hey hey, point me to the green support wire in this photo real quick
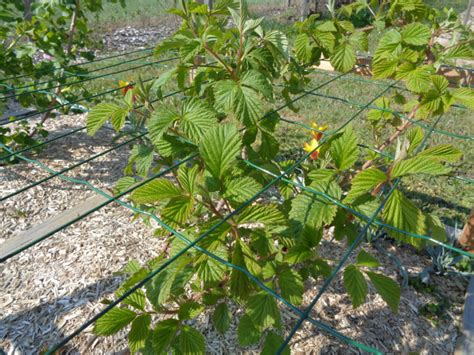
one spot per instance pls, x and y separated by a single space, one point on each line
83 80
36 113
76 65
348 252
70 75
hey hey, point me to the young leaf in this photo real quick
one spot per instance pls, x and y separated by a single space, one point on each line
221 318
159 288
344 149
355 285
190 310
418 165
190 342
416 34
113 321
161 120
247 331
387 288
163 335
464 96
263 311
418 78
303 48
272 345
401 213
219 149
344 57
139 332
178 210
291 285
365 259
101 113
154 191
365 181
442 152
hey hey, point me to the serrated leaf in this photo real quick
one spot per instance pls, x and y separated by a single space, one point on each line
155 190
272 345
387 288
190 310
178 210
239 100
187 177
303 48
344 57
190 341
139 332
415 137
159 288
291 285
163 335
464 96
239 282
196 119
355 285
436 228
416 34
101 113
442 152
365 259
239 189
401 213
258 82
267 214
365 181
221 318
388 43
417 77
123 184
113 321
263 311
418 165
219 149
247 332
160 121
344 150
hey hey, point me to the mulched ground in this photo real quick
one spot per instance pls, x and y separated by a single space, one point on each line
53 287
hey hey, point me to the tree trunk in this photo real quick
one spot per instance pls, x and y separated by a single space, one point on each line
467 235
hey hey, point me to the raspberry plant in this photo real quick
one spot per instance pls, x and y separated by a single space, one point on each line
228 70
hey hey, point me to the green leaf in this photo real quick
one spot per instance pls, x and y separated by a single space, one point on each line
219 149
291 285
163 335
344 149
442 152
159 288
416 34
365 259
364 182
388 44
401 213
161 120
267 214
190 341
355 284
263 311
239 100
417 77
239 282
303 48
464 96
257 81
178 210
190 310
418 165
436 228
387 288
187 177
113 321
196 119
139 332
101 113
239 189
415 137
272 345
247 332
221 318
344 57
155 191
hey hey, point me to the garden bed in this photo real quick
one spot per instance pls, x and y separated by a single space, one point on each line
53 287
